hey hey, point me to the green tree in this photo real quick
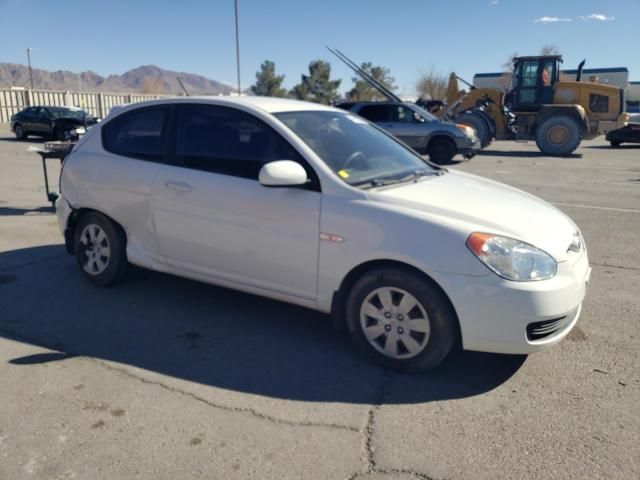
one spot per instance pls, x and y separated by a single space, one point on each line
268 84
317 86
363 92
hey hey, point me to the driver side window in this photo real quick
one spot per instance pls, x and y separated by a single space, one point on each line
227 141
402 114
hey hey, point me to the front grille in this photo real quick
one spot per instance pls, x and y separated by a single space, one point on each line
540 330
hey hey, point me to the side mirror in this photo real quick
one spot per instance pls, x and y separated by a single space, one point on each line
417 117
282 173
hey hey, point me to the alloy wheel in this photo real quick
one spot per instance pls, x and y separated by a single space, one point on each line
395 323
97 252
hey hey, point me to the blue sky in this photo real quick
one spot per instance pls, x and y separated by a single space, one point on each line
407 36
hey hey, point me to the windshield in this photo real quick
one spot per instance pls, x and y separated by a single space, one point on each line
354 149
60 112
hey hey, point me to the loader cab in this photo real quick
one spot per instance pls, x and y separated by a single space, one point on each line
532 82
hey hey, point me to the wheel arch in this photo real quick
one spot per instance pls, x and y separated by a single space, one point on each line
340 296
74 219
574 112
438 136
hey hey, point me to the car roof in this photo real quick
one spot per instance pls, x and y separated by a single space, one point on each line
266 104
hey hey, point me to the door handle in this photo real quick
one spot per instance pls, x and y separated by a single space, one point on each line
179 187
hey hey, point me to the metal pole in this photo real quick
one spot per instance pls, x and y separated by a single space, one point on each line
237 47
30 72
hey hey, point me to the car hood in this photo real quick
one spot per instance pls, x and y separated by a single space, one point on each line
488 206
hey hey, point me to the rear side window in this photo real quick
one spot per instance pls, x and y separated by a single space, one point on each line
375 113
137 134
227 141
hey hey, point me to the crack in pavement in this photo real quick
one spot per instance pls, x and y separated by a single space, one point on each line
622 267
393 471
227 408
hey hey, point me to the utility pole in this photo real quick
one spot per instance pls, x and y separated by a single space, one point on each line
237 47
29 50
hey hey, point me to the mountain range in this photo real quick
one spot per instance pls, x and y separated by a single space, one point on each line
144 79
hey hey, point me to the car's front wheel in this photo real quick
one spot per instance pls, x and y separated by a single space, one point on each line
441 151
100 249
401 319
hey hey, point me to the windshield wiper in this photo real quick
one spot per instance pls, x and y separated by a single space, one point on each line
412 177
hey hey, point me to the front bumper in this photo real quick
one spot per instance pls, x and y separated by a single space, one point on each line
468 148
502 316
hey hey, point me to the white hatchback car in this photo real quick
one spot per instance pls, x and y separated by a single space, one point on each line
315 206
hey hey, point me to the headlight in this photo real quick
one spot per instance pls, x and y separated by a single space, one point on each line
467 130
512 259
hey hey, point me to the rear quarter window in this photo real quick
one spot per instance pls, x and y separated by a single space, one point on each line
137 134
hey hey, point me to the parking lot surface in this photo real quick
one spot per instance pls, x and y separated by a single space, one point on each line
164 378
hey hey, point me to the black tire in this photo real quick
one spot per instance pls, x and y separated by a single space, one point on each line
441 150
441 318
115 263
558 136
19 131
615 143
479 124
58 134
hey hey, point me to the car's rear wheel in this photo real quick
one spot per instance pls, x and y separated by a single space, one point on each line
400 319
100 249
19 131
441 150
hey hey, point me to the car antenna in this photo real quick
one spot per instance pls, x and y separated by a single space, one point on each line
365 76
184 89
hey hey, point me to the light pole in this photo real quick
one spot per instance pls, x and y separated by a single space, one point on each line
29 50
237 47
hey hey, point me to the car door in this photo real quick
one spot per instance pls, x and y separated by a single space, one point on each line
406 126
27 119
41 122
214 219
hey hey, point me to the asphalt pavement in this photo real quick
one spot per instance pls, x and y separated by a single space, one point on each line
164 378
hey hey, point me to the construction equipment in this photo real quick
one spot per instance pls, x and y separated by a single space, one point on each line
539 105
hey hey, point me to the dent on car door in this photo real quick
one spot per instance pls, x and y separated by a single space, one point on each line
135 146
214 219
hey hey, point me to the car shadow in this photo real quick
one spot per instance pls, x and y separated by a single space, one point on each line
24 140
13 211
621 147
212 336
521 154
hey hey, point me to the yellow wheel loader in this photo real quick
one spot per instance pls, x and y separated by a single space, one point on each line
539 105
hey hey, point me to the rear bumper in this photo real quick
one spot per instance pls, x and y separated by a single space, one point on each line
63 212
